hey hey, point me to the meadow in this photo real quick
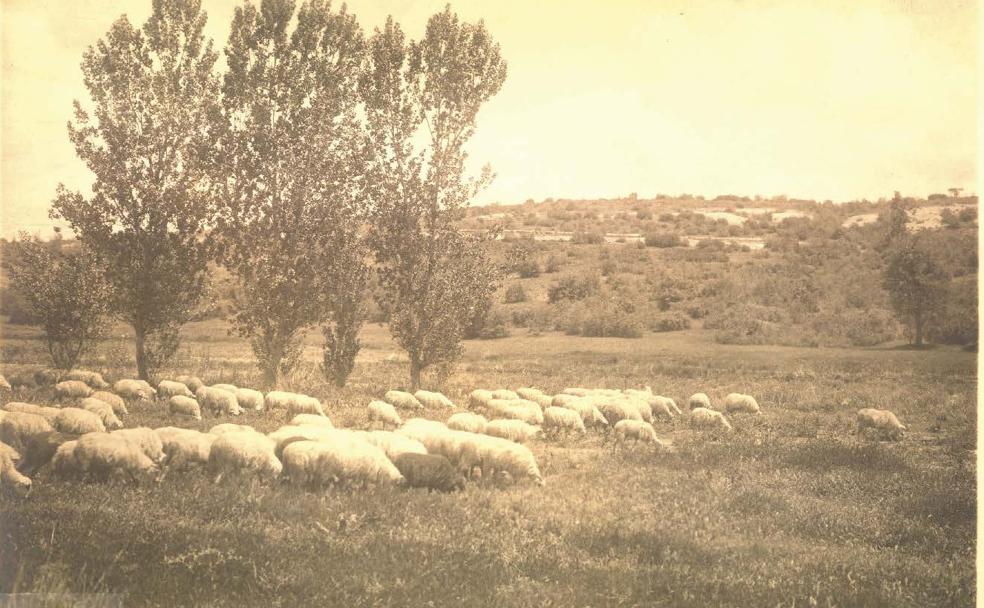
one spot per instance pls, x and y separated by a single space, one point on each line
792 509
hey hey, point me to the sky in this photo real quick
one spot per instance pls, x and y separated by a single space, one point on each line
822 99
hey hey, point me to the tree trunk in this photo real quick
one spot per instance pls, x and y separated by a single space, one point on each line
271 364
415 369
919 330
141 353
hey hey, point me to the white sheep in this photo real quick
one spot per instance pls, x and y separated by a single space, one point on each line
562 420
16 428
245 451
168 388
700 400
738 403
354 460
78 421
304 404
636 430
115 401
493 454
577 391
229 427
433 399
513 430
64 462
615 411
705 418
104 411
192 382
134 390
93 379
218 401
311 420
466 421
250 399
107 453
528 392
544 401
517 409
10 477
479 398
279 400
646 411
184 447
383 413
403 400
394 444
587 410
883 421
47 413
226 387
4 385
283 436
504 393
180 405
563 399
146 439
72 389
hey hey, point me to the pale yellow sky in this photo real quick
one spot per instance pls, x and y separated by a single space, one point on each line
819 99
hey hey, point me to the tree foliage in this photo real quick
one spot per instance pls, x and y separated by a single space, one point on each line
915 283
422 99
152 91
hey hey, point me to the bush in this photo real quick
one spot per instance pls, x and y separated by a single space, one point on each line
487 323
587 237
855 327
573 289
552 264
600 317
670 321
663 239
515 293
537 318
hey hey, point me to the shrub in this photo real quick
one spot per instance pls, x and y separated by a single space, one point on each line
515 293
552 264
600 317
670 321
587 237
663 239
572 288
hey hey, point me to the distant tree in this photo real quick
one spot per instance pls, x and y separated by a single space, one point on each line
915 284
422 99
288 170
515 293
153 92
955 192
66 295
892 226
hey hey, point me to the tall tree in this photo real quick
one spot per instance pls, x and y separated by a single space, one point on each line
422 99
152 92
916 284
289 170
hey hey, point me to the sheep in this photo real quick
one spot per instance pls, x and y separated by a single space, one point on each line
106 453
47 377
636 430
479 398
883 421
72 389
586 409
192 382
353 460
114 401
10 477
184 447
218 401
39 449
283 436
738 403
184 406
669 402
642 406
146 439
492 454
167 389
466 421
517 409
134 390
303 404
529 393
544 401
403 400
660 407
78 421
279 400
244 451
430 471
560 420
64 462
384 413
104 411
229 427
513 430
432 399
48 413
576 391
703 417
615 411
250 399
504 393
563 399
699 400
4 385
225 387
394 444
311 420
17 427
93 379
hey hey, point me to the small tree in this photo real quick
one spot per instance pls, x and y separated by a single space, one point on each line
153 92
65 293
421 100
915 284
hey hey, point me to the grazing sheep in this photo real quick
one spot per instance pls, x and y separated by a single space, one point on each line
586 409
72 389
17 427
225 387
146 439
192 382
513 430
312 420
10 477
301 463
184 447
504 393
615 411
179 405
562 420
479 398
529 393
577 391
303 404
23 380
39 449
563 399
245 451
403 400
283 436
646 411
738 403
544 401
229 427
47 377
394 444
704 418
104 411
250 399
493 454
466 421
883 421
114 401
93 379
384 413
218 401
636 430
279 400
134 390
352 460
78 421
105 453
700 400
517 409
48 413
64 462
432 399
429 471
4 385
167 389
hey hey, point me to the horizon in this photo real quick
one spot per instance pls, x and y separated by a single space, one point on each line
597 106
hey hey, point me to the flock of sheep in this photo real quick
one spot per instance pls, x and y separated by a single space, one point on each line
82 435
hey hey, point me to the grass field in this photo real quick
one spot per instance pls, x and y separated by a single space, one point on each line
791 509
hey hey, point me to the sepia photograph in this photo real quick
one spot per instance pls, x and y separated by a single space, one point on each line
553 303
